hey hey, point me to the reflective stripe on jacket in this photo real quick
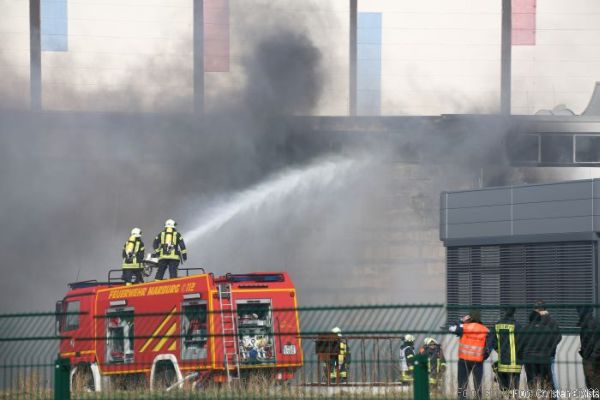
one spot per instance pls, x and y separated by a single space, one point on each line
471 346
342 353
506 347
340 362
407 355
133 253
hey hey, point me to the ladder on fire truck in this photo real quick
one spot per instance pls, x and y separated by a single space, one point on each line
229 331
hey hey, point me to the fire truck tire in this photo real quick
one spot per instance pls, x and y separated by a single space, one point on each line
82 379
164 375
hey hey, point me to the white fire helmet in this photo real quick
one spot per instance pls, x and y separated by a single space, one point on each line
429 340
137 232
170 223
337 331
409 338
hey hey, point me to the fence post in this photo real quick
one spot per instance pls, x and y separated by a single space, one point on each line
62 372
421 378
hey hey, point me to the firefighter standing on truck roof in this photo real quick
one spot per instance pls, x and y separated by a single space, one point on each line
471 352
170 248
133 254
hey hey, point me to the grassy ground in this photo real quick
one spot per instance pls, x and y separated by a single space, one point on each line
214 394
257 388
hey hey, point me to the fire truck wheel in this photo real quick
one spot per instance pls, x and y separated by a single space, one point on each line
164 375
82 379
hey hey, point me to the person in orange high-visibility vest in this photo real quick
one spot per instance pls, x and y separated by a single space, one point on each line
472 351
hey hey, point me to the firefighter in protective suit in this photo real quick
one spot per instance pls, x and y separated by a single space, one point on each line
133 254
340 362
407 359
170 249
504 339
437 362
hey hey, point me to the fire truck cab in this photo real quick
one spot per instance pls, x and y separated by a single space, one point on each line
163 334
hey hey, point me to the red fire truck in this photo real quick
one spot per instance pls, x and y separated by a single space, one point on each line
197 329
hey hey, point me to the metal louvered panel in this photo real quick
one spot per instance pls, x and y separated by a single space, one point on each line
557 273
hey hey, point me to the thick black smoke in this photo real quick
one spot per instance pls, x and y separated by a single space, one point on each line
74 183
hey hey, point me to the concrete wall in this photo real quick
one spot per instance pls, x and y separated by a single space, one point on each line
439 56
14 53
436 56
134 55
128 54
324 22
564 63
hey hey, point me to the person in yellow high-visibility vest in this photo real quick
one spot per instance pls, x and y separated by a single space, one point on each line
170 249
341 361
133 255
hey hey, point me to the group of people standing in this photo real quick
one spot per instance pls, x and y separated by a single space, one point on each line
432 349
532 346
168 246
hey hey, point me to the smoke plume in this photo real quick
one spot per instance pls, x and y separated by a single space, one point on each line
362 229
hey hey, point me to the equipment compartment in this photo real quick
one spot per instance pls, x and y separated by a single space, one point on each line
255 331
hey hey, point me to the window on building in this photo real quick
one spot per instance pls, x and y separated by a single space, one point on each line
54 25
587 149
216 35
368 68
523 22
557 149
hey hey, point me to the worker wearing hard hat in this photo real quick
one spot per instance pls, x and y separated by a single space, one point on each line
133 254
437 362
341 361
170 249
407 359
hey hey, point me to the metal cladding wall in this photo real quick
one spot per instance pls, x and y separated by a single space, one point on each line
520 244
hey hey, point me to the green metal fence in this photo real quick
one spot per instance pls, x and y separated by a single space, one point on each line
34 364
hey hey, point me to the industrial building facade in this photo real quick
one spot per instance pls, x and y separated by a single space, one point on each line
520 244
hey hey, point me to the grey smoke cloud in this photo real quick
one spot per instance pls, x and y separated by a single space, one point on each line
73 185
